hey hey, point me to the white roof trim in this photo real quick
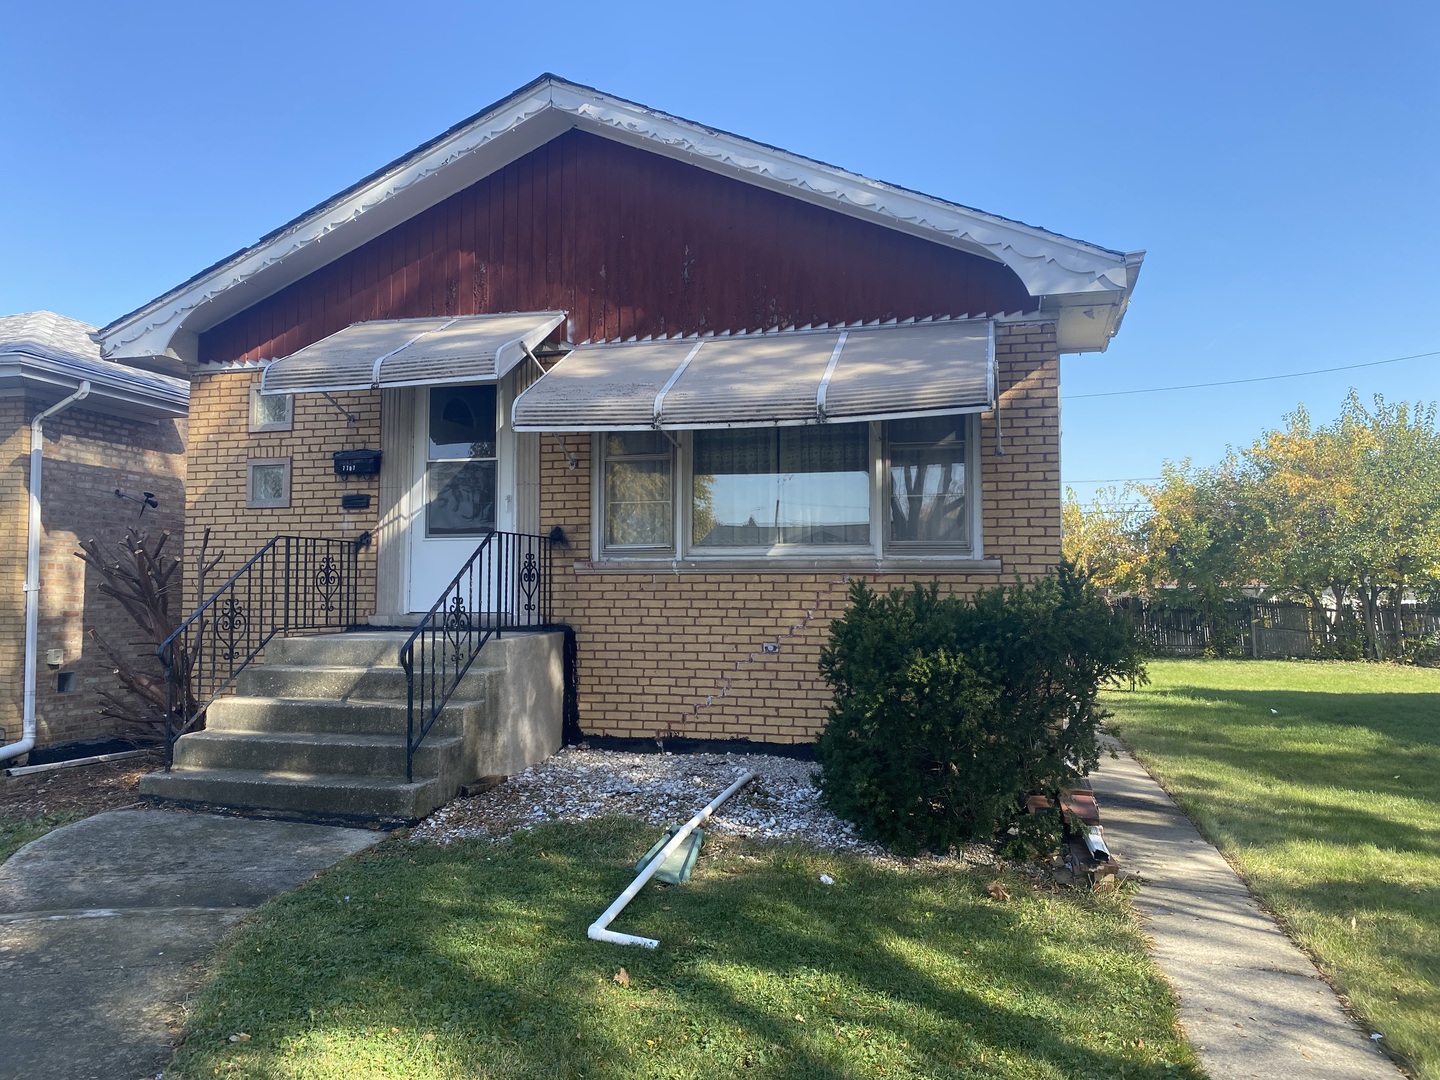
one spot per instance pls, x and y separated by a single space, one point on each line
112 393
1048 264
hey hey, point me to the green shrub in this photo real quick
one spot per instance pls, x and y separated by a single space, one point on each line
1032 836
948 711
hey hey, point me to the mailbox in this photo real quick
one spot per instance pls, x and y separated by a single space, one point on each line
357 462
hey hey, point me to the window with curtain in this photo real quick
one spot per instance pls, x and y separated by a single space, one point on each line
781 486
639 492
768 492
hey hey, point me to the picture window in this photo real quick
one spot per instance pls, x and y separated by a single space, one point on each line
768 487
892 488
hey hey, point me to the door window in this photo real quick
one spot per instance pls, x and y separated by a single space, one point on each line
460 461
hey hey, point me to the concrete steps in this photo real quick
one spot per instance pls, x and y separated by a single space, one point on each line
367 798
305 715
320 729
313 753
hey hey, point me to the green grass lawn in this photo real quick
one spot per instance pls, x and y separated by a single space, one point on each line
472 961
1321 782
16 832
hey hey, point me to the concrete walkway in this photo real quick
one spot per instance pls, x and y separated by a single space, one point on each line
1252 1003
104 926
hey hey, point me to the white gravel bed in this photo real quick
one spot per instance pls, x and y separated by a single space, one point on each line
782 802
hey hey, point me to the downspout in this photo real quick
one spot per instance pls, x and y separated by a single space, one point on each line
32 574
600 928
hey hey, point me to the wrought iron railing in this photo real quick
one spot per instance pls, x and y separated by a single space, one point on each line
292 583
505 585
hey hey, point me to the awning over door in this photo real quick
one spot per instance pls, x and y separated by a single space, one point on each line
411 352
761 380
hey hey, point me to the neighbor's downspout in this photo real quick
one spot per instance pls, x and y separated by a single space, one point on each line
32 575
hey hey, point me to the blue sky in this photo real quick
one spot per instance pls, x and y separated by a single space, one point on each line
1280 162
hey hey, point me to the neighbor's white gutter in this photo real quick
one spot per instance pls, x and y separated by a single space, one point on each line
32 574
598 931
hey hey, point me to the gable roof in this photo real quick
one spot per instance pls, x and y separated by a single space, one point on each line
50 351
1064 272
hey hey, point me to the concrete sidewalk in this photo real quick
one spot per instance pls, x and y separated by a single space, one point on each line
1252 1003
104 926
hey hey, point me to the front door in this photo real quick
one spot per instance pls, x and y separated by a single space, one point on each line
459 487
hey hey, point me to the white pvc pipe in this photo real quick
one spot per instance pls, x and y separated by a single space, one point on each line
598 929
26 741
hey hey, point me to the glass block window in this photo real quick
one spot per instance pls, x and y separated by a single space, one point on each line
268 483
271 412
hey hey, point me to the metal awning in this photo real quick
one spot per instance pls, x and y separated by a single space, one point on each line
411 352
762 380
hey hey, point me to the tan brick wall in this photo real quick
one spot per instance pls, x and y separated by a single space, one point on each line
221 447
14 495
656 649
88 455
681 654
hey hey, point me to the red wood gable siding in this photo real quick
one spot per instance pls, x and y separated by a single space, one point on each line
630 244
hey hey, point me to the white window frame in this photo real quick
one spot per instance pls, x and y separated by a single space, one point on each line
256 426
251 502
880 548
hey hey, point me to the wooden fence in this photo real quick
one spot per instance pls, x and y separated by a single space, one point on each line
1271 630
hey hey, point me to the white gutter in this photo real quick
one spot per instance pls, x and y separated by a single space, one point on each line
32 574
598 929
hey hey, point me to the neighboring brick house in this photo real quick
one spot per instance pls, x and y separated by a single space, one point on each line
875 391
127 435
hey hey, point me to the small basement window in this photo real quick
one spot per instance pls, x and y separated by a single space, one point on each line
65 682
271 412
268 483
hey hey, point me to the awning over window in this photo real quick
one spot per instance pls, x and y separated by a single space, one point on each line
411 352
760 380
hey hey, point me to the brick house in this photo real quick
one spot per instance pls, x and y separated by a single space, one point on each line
724 378
101 454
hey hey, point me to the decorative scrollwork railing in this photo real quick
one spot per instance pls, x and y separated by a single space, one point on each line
292 583
504 585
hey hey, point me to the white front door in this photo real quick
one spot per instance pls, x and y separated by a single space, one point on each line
464 484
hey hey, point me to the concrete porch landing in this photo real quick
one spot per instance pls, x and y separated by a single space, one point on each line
319 729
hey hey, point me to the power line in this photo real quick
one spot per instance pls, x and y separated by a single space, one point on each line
1237 382
1115 480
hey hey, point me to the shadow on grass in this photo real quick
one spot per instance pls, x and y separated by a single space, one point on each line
1404 717
762 969
1329 799
1336 762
